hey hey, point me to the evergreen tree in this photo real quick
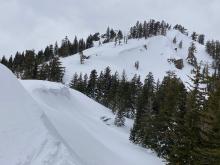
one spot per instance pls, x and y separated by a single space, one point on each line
113 92
75 46
119 36
192 132
144 110
112 34
74 82
122 101
29 64
194 36
191 55
201 39
56 71
209 151
92 84
43 72
164 126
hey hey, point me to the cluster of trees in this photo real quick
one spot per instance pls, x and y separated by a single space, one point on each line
148 29
200 38
113 35
180 125
111 90
181 28
28 66
191 58
213 49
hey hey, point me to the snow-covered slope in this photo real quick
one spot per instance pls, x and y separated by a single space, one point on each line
49 124
153 59
24 139
86 127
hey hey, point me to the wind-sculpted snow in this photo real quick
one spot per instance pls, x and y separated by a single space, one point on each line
47 123
86 127
24 139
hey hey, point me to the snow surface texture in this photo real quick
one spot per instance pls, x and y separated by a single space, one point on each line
153 59
50 124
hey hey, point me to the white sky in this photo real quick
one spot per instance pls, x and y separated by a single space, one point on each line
33 24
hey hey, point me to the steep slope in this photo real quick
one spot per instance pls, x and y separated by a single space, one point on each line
87 128
24 139
153 59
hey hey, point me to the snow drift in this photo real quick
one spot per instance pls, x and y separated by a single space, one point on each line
47 123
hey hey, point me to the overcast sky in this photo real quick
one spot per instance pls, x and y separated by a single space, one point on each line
33 24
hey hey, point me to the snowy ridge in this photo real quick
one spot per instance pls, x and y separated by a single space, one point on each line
24 138
47 123
153 59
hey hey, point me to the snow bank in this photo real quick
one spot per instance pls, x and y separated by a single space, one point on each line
47 123
78 121
24 139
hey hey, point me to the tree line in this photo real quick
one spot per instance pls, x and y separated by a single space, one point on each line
182 126
26 64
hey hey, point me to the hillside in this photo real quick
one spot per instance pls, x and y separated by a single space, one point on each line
153 59
50 124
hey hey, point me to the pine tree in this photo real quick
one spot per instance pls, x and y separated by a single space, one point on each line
89 42
119 119
144 110
92 84
194 36
196 103
112 34
191 55
43 72
119 36
29 64
113 92
163 130
201 39
74 82
122 101
56 71
107 85
56 49
75 46
209 151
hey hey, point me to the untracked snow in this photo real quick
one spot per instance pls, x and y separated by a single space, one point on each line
45 123
153 59
86 127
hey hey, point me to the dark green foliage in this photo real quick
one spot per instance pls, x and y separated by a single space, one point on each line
191 55
92 85
213 49
148 29
182 29
181 127
43 72
210 126
201 39
144 108
29 65
194 36
56 71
